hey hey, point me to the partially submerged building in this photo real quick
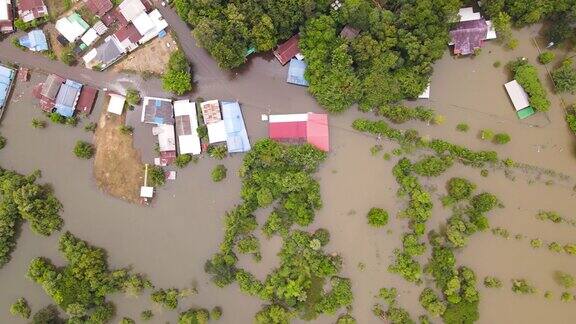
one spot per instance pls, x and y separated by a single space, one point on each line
47 91
64 96
67 98
213 120
296 71
7 76
298 128
236 135
86 100
29 10
35 41
157 111
287 50
470 32
116 103
519 99
187 127
6 16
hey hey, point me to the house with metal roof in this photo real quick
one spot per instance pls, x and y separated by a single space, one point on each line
211 111
104 55
519 99
71 27
67 97
287 50
130 9
35 41
187 127
29 10
86 100
470 33
89 37
311 128
236 135
7 76
152 26
99 7
157 111
6 16
166 139
296 71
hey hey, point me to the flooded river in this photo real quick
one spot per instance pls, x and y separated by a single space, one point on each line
171 240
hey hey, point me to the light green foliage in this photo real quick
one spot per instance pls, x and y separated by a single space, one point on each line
377 217
566 297
406 267
216 313
564 279
548 294
492 282
430 301
433 166
133 97
146 315
20 308
398 315
218 152
401 114
38 123
219 173
486 134
273 314
571 118
56 118
552 216
536 243
90 127
346 319
462 127
202 131
564 77
546 57
248 244
71 121
84 150
81 286
126 320
570 249
194 316
388 294
183 160
527 76
555 247
156 176
501 138
167 298
126 129
177 77
521 286
458 189
503 25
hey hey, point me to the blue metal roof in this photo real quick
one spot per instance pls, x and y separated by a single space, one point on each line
6 78
296 72
35 41
237 137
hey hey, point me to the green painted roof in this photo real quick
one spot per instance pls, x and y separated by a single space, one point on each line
526 112
76 18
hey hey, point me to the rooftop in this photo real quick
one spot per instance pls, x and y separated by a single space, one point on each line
287 50
157 111
211 111
99 7
29 10
296 73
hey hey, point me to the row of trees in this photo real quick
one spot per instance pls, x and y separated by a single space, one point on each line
22 199
279 175
527 76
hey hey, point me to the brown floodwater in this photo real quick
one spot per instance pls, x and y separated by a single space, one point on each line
171 240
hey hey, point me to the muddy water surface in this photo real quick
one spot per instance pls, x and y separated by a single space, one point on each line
171 240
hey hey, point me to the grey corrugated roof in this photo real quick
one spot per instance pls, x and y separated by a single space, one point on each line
67 95
108 52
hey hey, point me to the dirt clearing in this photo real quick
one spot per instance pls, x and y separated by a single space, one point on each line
151 57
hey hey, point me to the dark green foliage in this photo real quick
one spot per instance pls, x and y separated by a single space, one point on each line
492 282
20 308
218 152
126 320
47 315
546 57
521 286
194 316
430 301
346 319
67 55
458 189
133 97
202 131
38 123
183 160
84 150
570 118
462 127
167 298
501 138
432 166
219 173
2 142
564 279
484 202
146 315
377 217
552 216
527 76
178 75
156 176
90 127
388 294
23 199
81 286
216 313
273 314
57 118
564 77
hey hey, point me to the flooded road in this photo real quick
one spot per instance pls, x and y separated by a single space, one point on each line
171 240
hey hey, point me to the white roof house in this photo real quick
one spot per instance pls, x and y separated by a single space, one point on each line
491 30
166 137
288 118
426 93
4 5
468 14
143 23
90 37
158 25
116 103
70 29
186 127
146 192
130 9
517 94
217 132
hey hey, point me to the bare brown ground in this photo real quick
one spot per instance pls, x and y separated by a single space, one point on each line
118 168
151 57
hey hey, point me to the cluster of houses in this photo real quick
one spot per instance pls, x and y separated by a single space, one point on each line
135 21
64 96
28 10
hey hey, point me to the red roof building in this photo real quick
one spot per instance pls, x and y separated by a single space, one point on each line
29 10
99 7
287 50
6 16
86 100
311 128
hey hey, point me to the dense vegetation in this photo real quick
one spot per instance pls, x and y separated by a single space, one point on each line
390 60
84 150
278 175
23 199
527 76
564 77
80 287
178 75
377 217
20 308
